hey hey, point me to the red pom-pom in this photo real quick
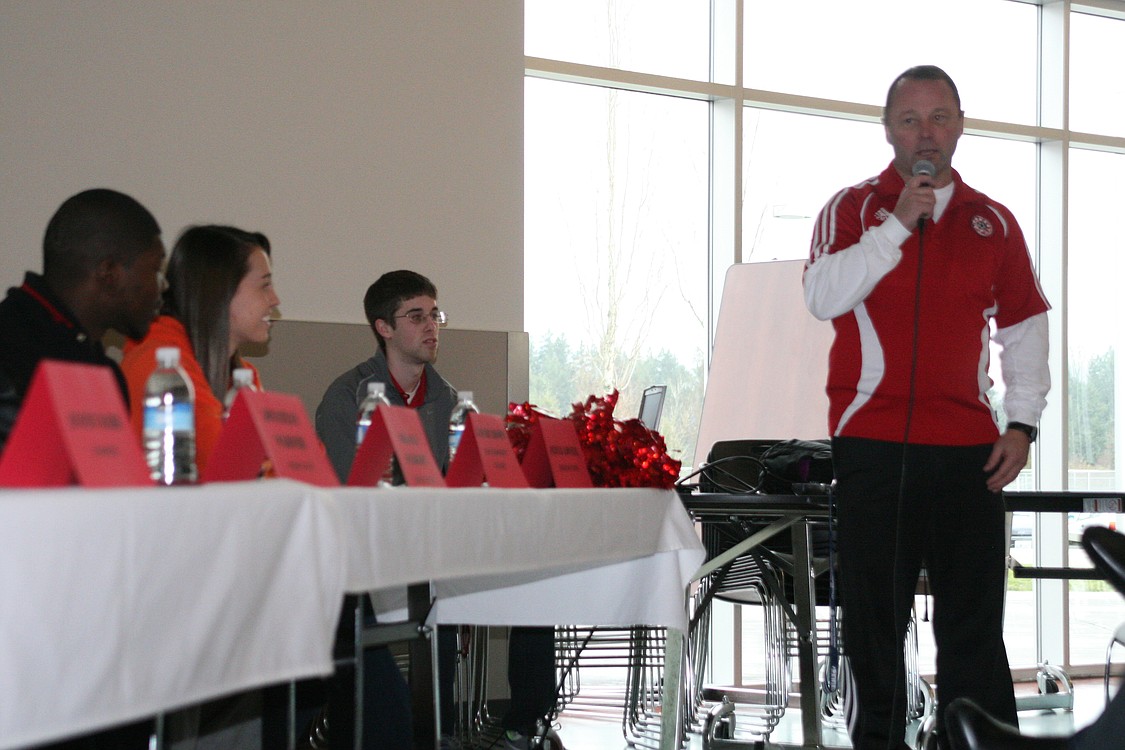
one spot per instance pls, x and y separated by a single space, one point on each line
619 453
518 423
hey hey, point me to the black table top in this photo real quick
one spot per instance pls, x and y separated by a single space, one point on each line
740 503
1058 501
1069 501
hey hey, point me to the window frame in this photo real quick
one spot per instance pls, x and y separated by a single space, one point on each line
729 98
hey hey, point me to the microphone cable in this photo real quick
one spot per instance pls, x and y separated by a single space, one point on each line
898 700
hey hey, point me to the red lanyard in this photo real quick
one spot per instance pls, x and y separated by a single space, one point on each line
53 311
419 397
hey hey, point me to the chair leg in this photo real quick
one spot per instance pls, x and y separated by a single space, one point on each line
1118 637
1108 662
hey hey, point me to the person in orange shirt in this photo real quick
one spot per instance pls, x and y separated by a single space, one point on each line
220 296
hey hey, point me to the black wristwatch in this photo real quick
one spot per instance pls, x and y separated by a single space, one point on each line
1031 431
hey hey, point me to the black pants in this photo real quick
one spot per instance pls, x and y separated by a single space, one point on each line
948 521
531 677
128 737
531 680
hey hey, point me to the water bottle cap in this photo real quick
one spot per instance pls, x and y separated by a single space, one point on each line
464 395
243 376
376 388
168 356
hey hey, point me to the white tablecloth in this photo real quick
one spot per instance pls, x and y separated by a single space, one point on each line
118 604
525 557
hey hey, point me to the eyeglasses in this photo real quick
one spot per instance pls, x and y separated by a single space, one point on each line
417 317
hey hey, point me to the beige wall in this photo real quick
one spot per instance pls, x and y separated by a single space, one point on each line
304 358
360 136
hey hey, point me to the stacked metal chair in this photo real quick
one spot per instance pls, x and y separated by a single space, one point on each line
759 578
613 652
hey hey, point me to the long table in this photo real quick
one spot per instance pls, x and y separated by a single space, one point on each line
525 557
516 557
121 604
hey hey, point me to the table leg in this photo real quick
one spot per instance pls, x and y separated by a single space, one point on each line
345 688
279 716
424 688
671 701
804 591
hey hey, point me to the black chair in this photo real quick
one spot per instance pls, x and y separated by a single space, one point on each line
970 728
1106 548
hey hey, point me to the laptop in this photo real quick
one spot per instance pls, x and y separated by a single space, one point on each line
652 404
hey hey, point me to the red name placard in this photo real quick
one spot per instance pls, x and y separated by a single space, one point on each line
73 428
395 431
485 455
269 425
554 457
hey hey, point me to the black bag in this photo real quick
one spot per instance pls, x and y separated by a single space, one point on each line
791 462
767 466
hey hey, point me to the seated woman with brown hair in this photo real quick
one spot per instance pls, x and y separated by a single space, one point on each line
220 296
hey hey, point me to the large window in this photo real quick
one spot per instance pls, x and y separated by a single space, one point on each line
789 176
616 266
1097 85
666 140
666 37
1095 335
851 51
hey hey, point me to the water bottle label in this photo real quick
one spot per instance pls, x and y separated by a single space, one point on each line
455 439
180 418
360 433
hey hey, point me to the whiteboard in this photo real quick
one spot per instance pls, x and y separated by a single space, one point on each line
770 361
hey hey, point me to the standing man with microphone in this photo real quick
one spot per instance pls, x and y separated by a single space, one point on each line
911 266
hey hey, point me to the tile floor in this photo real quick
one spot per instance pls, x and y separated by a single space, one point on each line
584 730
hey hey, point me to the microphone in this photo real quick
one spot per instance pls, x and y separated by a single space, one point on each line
926 167
923 166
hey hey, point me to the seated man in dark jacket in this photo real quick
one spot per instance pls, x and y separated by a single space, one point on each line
9 408
102 269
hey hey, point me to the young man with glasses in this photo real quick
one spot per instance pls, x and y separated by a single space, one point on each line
401 307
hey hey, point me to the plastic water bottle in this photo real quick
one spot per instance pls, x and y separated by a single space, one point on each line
169 421
242 377
457 420
376 394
